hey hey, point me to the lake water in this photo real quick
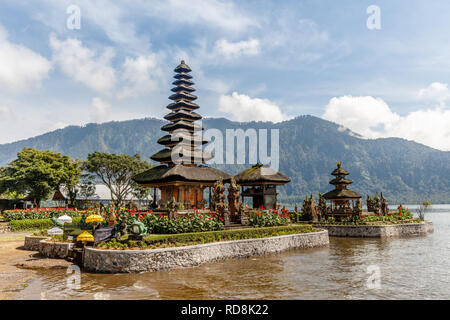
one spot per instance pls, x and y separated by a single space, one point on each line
408 268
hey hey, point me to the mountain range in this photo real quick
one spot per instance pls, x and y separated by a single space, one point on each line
405 171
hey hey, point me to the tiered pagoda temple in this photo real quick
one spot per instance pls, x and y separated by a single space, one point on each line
182 175
342 200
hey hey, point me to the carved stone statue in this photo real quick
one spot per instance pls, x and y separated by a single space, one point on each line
357 207
173 209
322 211
384 205
219 199
234 197
309 208
313 209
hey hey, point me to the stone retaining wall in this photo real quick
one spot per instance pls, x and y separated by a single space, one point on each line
32 243
115 261
395 230
52 249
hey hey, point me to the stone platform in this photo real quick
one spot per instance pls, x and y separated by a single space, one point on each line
129 261
378 231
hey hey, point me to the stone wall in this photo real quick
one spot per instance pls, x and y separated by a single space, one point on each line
33 242
394 230
52 249
115 261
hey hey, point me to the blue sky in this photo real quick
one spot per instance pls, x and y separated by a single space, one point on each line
252 60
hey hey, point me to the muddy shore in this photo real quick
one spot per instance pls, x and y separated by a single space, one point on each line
17 266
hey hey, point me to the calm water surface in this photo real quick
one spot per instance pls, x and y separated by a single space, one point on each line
411 268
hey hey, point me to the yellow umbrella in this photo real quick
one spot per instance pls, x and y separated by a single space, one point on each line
94 218
85 236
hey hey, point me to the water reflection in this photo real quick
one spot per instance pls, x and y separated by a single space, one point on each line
411 268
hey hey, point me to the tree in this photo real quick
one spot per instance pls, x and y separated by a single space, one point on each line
38 173
422 209
116 172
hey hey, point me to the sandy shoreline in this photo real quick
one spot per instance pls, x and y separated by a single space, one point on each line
17 266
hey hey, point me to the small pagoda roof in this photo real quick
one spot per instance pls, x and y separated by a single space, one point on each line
182 125
339 171
258 174
180 138
183 104
163 174
182 67
183 82
183 115
341 194
341 181
182 87
182 75
182 95
165 155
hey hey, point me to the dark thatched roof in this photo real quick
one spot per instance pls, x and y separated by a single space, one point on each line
182 95
166 154
181 125
182 87
183 81
182 114
182 67
183 104
162 173
259 173
341 194
181 138
341 181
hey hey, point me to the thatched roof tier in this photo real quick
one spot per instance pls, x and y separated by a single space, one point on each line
258 174
183 105
182 76
165 155
339 181
182 87
185 82
170 140
165 174
343 194
339 171
182 67
190 126
182 95
183 115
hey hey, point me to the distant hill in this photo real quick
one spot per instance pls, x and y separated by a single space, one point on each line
309 147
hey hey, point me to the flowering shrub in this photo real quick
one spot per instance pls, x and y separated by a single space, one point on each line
39 213
268 218
402 214
192 222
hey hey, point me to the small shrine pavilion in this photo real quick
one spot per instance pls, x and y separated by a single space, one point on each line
182 175
260 184
342 200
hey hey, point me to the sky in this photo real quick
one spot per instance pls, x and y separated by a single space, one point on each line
381 72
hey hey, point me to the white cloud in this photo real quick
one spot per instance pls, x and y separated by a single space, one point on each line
213 13
435 92
236 49
100 110
373 118
21 69
244 108
83 64
5 113
142 73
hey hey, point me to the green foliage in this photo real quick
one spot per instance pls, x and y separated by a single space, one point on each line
38 173
33 224
402 215
182 239
268 218
192 222
116 172
38 213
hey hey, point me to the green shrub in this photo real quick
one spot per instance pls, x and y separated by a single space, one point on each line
267 218
226 235
40 224
192 222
